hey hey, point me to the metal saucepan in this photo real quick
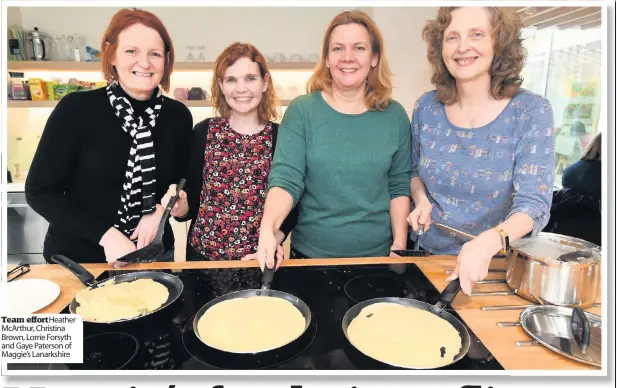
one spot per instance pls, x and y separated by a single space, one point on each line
570 332
173 283
552 269
233 358
446 297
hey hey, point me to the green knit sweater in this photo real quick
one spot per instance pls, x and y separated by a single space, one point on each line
342 171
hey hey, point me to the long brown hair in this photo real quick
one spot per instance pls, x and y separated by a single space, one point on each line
267 107
379 82
594 148
507 62
124 19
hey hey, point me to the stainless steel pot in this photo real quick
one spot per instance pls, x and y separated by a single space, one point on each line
555 269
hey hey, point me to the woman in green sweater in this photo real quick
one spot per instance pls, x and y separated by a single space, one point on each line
343 154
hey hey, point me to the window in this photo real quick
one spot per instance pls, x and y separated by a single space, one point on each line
565 66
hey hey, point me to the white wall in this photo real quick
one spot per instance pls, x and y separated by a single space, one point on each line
13 16
402 31
271 29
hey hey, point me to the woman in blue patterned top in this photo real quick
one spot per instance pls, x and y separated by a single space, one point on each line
483 147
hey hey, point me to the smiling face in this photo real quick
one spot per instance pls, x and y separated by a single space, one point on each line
243 86
139 60
350 56
468 43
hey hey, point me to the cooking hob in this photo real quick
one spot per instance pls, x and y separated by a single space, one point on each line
165 340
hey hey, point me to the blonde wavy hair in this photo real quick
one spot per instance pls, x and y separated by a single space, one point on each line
508 59
379 81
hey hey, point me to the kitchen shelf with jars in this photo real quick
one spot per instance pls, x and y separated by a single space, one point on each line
41 84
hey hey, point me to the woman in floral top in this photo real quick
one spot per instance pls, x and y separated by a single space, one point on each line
230 162
482 148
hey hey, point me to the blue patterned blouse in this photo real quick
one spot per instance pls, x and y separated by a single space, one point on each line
476 178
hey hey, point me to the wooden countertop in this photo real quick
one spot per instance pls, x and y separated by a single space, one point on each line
499 341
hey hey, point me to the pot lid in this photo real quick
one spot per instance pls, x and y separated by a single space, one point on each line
558 248
551 326
36 33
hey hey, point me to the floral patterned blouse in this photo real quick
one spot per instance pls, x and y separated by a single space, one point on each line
477 177
232 197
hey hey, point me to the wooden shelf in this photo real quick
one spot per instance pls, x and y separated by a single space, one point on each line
23 66
31 104
51 104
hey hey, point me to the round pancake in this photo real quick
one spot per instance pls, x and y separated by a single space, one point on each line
111 302
404 336
251 325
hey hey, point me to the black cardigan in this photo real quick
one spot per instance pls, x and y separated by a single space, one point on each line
75 180
195 181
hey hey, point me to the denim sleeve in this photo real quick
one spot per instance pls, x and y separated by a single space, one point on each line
415 140
534 164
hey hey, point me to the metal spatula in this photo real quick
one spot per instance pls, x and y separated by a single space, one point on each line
152 251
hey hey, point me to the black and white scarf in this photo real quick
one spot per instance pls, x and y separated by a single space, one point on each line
139 188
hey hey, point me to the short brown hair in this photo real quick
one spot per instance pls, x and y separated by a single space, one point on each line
267 107
379 83
507 63
594 148
124 19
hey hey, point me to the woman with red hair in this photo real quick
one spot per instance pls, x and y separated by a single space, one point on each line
107 156
230 161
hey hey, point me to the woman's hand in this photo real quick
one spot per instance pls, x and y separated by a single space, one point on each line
421 215
147 227
181 207
267 247
280 256
395 247
116 245
474 259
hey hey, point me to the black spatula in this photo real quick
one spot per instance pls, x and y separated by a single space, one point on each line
415 252
153 251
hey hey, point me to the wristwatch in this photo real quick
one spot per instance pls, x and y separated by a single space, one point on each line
505 240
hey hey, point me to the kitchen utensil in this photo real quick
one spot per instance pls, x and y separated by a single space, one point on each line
313 57
181 94
152 251
279 57
555 269
59 50
570 332
551 269
17 272
77 47
197 93
201 57
416 243
38 45
173 283
27 296
517 307
296 58
439 309
457 232
415 252
266 280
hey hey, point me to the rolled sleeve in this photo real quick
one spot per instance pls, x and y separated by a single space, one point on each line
289 163
399 174
533 174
